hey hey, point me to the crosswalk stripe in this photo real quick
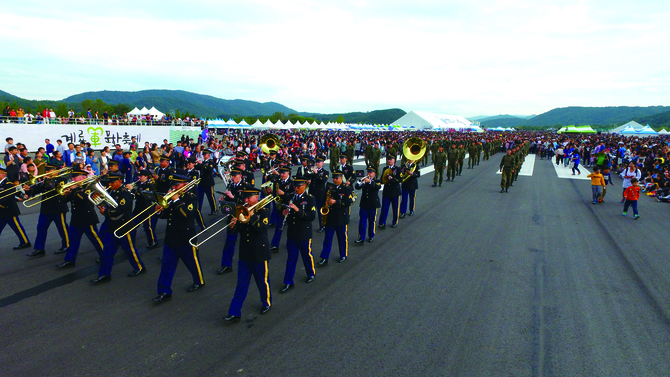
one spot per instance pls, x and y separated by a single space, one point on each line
566 172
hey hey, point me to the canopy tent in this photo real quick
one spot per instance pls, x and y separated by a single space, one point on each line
577 130
663 132
431 121
632 124
144 111
628 131
647 131
217 123
155 113
135 112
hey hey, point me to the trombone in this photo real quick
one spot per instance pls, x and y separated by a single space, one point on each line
245 213
163 201
59 189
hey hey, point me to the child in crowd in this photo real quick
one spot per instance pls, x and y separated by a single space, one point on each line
597 182
632 194
608 180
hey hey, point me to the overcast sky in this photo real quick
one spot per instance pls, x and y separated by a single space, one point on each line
471 57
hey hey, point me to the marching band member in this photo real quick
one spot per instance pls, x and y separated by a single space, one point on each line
180 215
162 175
299 216
193 173
368 207
409 188
317 186
234 193
117 217
206 185
303 170
337 220
346 170
285 191
254 257
247 176
144 194
83 220
51 210
9 213
391 193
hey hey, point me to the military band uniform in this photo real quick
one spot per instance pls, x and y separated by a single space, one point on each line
369 203
195 174
140 193
84 220
206 185
317 188
237 190
52 210
299 236
163 180
390 196
117 217
9 215
409 188
254 257
180 216
286 186
348 172
337 221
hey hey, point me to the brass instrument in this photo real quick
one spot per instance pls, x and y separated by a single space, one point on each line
11 191
163 201
245 213
193 242
385 176
269 142
99 195
50 193
413 149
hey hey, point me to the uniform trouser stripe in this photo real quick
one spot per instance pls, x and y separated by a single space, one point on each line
413 201
372 226
267 285
67 237
95 234
20 228
132 251
346 240
309 252
197 264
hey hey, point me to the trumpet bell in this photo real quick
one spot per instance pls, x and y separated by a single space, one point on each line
269 142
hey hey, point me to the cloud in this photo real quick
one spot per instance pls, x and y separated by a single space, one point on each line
463 57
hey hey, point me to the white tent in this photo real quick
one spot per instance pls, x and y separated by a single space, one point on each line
663 132
647 131
423 120
632 124
144 111
156 114
628 131
134 112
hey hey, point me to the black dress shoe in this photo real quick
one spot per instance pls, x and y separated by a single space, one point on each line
67 263
224 270
323 262
61 250
163 297
23 246
321 230
309 279
152 245
382 226
360 240
411 213
286 288
402 215
101 279
394 225
265 309
342 259
136 272
36 253
232 318
195 287
274 249
502 190
506 190
371 239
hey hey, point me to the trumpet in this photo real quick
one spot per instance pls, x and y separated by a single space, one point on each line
366 179
163 201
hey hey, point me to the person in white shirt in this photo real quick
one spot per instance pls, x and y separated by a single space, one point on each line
629 173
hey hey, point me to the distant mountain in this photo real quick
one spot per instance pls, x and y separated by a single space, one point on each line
502 121
581 116
168 101
486 118
658 121
373 117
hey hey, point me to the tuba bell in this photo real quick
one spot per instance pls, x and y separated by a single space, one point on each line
413 150
269 142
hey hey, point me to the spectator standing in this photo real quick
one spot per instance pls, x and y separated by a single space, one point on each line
631 195
40 161
628 174
60 147
49 147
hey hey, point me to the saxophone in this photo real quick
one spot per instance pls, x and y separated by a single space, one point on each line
325 209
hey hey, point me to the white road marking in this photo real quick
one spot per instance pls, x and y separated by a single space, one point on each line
527 167
563 172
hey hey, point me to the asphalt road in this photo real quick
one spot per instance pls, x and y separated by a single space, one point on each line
535 282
